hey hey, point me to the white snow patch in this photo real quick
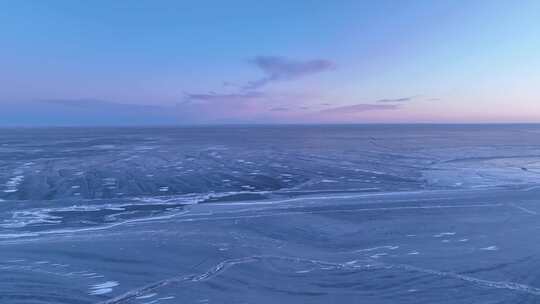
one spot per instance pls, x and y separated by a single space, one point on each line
103 288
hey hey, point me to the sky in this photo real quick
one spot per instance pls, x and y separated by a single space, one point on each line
262 62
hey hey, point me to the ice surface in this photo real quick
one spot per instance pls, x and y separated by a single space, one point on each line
361 214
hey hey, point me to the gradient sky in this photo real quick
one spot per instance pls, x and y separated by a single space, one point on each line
188 62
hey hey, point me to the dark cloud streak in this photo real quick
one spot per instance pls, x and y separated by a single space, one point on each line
283 69
97 104
361 107
210 97
402 99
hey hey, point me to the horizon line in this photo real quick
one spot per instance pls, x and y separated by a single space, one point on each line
261 125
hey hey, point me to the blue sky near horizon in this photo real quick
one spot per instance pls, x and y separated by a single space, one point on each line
152 62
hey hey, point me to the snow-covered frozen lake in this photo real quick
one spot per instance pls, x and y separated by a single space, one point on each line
291 214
